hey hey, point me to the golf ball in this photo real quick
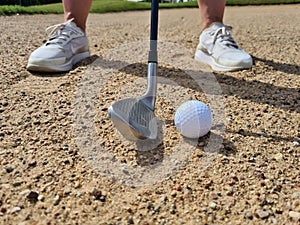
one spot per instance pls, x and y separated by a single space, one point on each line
193 119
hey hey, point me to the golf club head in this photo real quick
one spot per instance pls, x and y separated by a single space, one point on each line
133 119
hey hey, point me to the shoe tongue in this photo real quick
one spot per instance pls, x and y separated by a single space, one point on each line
70 23
216 26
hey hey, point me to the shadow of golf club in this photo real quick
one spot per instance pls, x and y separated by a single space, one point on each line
283 67
255 91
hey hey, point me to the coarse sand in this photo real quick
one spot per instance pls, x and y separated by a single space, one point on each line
62 161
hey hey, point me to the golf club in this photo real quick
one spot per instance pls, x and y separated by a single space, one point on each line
134 117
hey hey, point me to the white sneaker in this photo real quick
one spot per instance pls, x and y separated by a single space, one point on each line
218 49
66 46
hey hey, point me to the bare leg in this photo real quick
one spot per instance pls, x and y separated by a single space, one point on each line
77 9
211 11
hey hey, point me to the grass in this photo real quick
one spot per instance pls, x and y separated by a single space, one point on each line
102 6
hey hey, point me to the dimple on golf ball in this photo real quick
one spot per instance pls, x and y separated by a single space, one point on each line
193 119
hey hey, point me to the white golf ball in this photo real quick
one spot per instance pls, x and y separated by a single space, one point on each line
193 119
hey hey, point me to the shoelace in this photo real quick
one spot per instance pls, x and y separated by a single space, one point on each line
59 33
223 34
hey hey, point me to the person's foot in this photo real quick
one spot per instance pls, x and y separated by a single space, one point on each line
218 49
66 46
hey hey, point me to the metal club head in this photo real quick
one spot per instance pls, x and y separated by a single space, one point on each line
134 117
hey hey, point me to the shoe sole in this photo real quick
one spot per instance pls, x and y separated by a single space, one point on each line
209 60
59 68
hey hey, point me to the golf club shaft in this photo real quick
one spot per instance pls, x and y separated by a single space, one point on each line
150 96
153 32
